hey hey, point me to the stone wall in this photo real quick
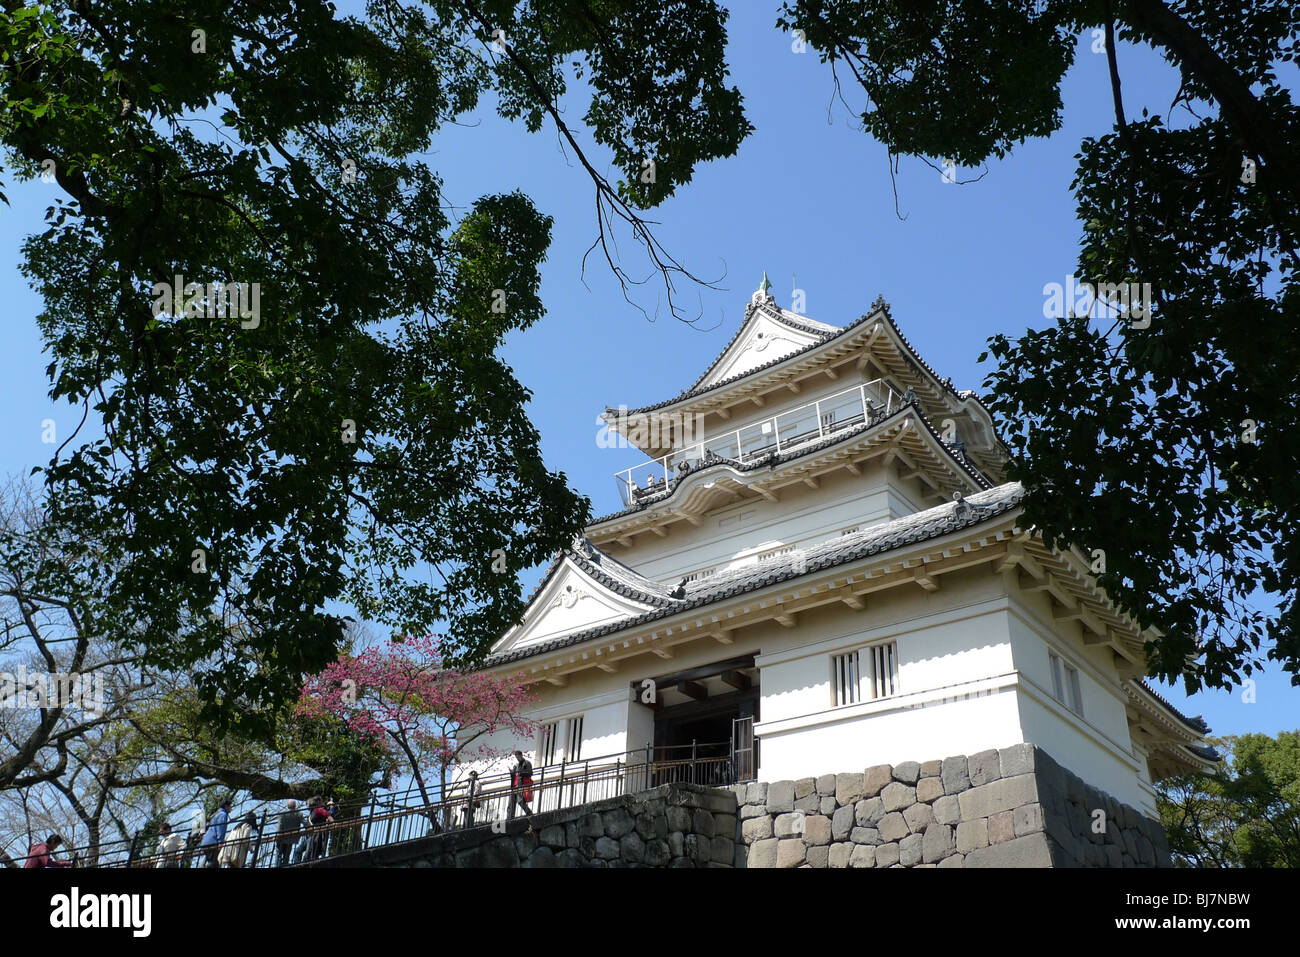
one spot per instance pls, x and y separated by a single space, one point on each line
1014 807
677 825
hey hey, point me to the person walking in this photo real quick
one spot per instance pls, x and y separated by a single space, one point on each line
521 786
198 827
331 836
318 820
474 791
234 850
41 854
303 846
215 834
291 821
170 846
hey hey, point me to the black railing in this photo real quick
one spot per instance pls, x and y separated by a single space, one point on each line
404 816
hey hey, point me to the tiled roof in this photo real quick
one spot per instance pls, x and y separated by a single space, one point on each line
613 574
1197 723
774 458
769 308
609 571
918 527
880 309
1204 752
697 389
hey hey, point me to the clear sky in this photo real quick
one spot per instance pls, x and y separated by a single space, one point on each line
808 199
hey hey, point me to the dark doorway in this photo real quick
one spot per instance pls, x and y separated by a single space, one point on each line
703 722
712 730
695 741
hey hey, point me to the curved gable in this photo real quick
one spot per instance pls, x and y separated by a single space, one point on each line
570 600
763 339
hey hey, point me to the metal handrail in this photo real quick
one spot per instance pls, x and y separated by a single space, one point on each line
383 820
863 403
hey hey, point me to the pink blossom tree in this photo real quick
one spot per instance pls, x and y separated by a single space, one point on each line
401 694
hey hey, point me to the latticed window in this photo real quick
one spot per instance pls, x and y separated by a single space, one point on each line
847 683
573 740
1065 684
865 674
546 744
884 670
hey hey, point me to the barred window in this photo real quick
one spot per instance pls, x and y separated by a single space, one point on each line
884 670
847 681
1065 684
546 744
573 740
865 674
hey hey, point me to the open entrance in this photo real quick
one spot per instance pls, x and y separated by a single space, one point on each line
704 724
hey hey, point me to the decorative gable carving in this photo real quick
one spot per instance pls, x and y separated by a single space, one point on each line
762 339
569 601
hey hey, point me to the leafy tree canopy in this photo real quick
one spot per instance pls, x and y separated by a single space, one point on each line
1248 815
1162 427
341 417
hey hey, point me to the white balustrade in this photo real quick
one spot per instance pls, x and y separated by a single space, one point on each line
801 425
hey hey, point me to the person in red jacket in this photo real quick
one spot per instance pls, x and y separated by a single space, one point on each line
521 786
319 819
42 855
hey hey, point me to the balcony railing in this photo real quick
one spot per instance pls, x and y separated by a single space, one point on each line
784 432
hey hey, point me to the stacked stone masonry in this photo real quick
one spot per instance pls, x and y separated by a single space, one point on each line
677 825
1014 807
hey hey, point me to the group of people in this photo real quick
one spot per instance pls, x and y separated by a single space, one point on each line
299 836
302 837
521 791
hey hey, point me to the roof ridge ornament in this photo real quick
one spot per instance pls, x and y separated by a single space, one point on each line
763 293
879 305
961 507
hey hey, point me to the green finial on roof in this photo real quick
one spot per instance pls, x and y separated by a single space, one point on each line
765 285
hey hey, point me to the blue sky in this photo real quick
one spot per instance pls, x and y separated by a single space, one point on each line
808 196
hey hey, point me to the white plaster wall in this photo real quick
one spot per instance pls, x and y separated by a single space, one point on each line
972 675
925 733
932 654
640 725
1103 700
604 728
955 692
802 517
1077 746
1096 746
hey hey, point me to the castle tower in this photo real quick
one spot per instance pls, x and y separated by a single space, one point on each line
819 567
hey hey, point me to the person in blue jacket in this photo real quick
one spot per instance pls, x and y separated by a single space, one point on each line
216 833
